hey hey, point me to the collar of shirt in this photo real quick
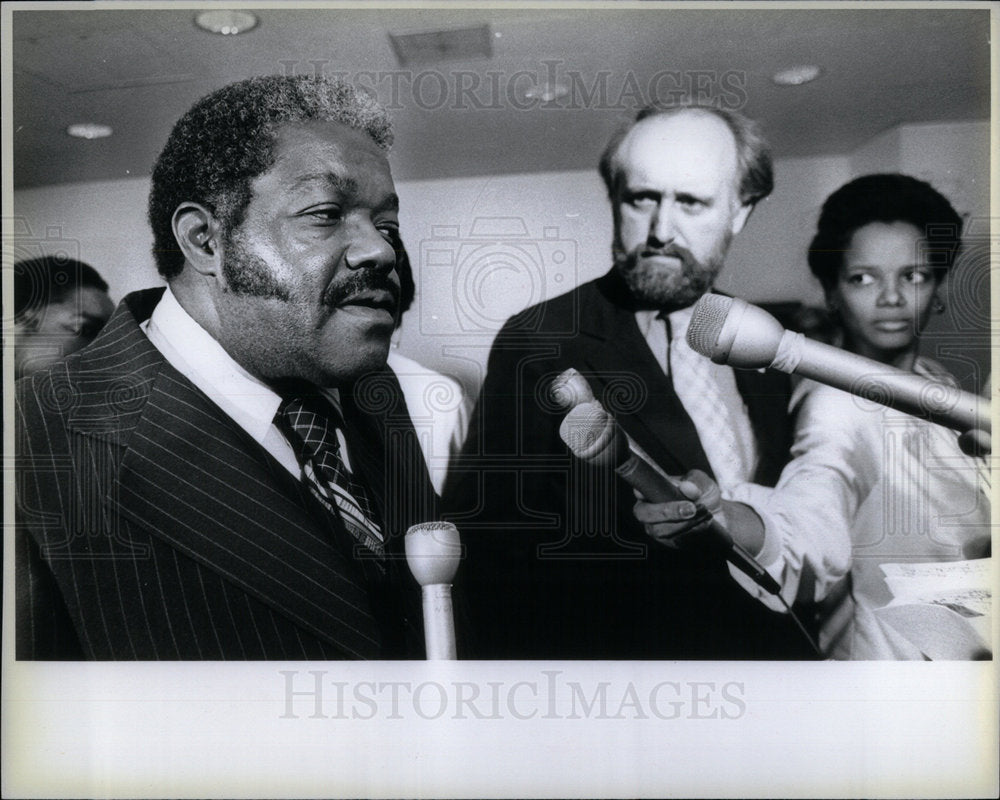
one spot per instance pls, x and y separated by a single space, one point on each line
248 401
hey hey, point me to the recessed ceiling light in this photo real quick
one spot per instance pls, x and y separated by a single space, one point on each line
226 23
796 76
89 130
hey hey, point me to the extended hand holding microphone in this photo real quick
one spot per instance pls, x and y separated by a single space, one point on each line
593 436
433 551
731 331
570 389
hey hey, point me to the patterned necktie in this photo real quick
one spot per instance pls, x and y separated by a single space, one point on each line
700 385
310 425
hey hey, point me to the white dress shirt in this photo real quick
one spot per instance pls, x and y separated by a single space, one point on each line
249 402
439 411
654 330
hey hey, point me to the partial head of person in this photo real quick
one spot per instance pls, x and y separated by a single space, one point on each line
883 245
60 305
275 222
682 181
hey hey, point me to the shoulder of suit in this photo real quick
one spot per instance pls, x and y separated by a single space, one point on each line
550 315
104 384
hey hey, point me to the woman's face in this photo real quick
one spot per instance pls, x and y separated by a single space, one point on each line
884 290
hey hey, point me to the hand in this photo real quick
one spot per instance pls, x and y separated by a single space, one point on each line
975 442
678 523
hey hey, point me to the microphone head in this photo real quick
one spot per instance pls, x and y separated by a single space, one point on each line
707 322
732 331
592 435
569 389
433 551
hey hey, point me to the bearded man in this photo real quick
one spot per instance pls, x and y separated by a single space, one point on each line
209 479
557 565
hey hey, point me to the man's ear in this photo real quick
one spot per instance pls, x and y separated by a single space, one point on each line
197 233
741 217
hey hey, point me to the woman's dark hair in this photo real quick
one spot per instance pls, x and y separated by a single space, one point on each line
889 197
45 281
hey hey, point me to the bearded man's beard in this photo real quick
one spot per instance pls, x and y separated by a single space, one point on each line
657 286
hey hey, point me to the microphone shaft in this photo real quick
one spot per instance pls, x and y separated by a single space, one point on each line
657 489
439 622
903 391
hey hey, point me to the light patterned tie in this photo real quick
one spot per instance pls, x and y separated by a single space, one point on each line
701 385
310 424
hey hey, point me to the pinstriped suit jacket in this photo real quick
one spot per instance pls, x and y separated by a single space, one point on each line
150 526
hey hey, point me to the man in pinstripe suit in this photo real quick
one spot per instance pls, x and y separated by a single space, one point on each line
166 506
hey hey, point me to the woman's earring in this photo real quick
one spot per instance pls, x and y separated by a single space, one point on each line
937 306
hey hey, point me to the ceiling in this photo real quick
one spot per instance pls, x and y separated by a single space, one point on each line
139 70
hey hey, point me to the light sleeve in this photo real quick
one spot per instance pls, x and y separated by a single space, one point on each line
808 516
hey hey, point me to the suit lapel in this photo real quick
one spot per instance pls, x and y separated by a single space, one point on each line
385 452
195 479
385 449
631 383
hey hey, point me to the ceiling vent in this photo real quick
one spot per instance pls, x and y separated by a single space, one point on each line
431 47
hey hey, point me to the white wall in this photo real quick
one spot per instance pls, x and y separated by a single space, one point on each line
767 261
104 223
484 248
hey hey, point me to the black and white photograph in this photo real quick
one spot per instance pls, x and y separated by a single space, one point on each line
584 399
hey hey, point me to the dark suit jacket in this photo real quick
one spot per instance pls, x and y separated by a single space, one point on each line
557 565
151 526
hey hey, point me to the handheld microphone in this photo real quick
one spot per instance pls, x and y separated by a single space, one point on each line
570 389
433 550
731 331
593 436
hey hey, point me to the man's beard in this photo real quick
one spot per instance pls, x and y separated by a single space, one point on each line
248 274
268 324
656 286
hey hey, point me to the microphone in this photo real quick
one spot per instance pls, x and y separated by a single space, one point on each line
569 388
731 331
433 550
593 436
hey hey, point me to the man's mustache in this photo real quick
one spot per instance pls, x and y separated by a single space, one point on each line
672 251
364 280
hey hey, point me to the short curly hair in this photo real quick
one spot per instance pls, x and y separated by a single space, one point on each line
753 153
227 139
886 197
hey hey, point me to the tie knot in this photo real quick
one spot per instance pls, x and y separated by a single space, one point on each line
311 422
